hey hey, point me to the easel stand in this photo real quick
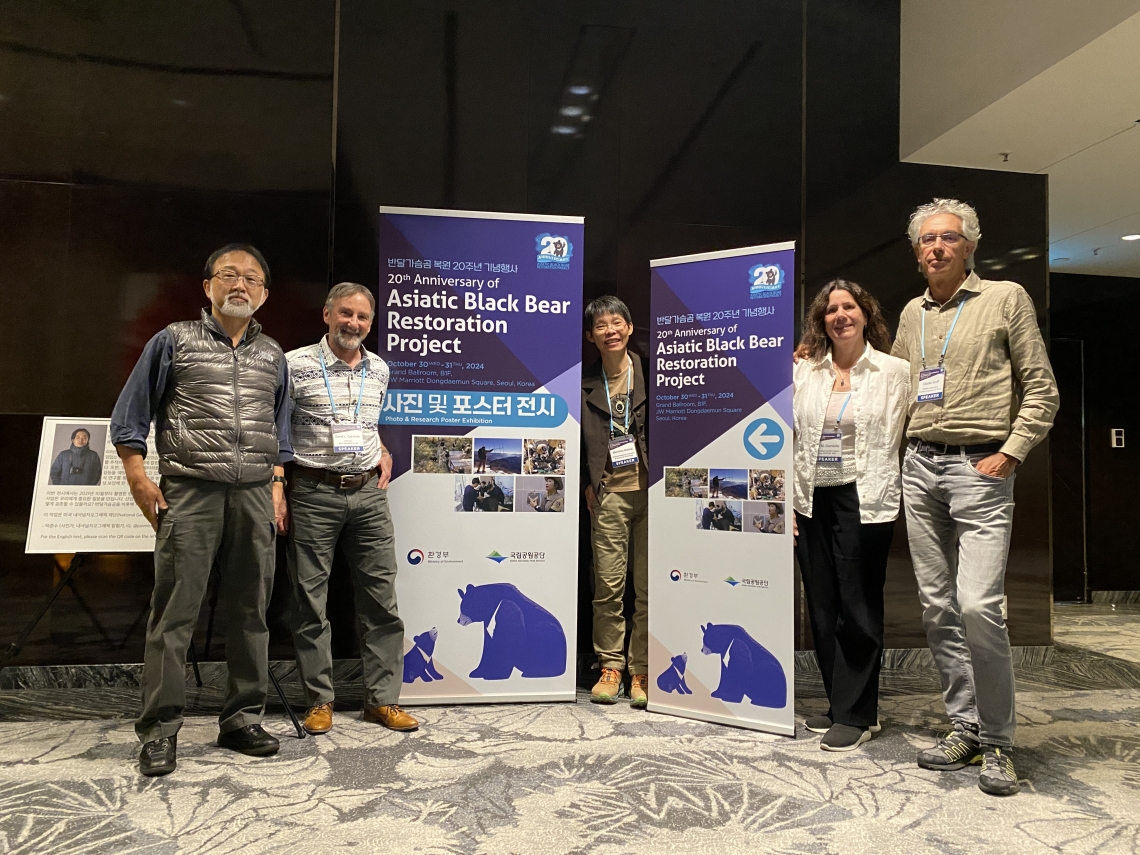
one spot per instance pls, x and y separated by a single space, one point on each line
13 650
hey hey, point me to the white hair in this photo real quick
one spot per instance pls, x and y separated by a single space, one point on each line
971 228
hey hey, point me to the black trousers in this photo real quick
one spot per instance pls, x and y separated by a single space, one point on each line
843 563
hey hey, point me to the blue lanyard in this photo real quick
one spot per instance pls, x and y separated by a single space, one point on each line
328 386
949 333
628 386
842 409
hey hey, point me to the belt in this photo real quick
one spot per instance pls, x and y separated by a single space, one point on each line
937 449
340 480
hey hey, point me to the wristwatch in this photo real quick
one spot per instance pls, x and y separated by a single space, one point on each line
279 479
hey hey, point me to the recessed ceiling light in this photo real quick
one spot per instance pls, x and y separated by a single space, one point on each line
1131 237
571 111
179 102
580 90
563 130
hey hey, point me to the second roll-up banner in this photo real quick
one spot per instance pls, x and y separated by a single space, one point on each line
480 321
721 631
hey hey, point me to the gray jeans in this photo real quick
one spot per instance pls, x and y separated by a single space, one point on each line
208 521
958 522
323 517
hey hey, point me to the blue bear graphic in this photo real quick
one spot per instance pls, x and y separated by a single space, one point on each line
517 632
746 667
672 679
418 661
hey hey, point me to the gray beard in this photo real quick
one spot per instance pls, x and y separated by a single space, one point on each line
235 309
347 342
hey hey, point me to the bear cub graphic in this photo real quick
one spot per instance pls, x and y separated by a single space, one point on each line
746 667
672 679
517 632
418 664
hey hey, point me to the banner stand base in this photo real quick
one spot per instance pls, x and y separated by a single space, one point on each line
774 729
466 700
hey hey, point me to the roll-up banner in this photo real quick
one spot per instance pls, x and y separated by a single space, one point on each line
721 637
480 322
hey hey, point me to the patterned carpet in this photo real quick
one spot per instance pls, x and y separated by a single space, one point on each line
579 778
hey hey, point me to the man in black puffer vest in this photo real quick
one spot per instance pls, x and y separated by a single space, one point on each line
217 389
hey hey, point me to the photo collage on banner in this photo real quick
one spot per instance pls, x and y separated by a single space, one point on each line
480 322
721 632
81 501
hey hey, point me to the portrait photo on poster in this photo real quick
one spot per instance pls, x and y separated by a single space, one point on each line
764 517
484 493
77 455
541 493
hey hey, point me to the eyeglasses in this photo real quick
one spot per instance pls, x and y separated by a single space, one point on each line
948 238
616 326
231 277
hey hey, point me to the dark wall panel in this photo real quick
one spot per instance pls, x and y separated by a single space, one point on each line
1082 309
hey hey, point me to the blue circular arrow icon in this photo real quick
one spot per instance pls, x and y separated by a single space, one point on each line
763 439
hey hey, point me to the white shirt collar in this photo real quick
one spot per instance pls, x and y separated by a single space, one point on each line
828 361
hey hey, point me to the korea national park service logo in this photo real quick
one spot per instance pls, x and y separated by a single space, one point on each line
554 251
765 280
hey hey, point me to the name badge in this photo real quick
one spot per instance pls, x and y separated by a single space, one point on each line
347 438
931 384
830 447
623 451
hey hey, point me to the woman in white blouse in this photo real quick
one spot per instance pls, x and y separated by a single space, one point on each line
850 404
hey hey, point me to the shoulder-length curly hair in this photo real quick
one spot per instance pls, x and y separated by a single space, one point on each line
815 339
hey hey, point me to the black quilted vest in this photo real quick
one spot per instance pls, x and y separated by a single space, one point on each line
216 419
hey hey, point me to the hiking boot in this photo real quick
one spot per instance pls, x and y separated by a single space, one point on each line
638 684
844 737
956 750
998 777
606 690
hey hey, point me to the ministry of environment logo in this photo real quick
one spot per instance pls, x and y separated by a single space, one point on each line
496 557
675 575
415 557
765 280
763 439
554 251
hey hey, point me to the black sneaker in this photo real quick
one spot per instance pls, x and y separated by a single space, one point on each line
998 777
956 750
158 756
251 739
822 724
844 737
818 723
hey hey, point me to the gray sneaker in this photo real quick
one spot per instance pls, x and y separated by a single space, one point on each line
956 750
998 777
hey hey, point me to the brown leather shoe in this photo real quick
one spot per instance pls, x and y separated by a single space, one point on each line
391 716
318 720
